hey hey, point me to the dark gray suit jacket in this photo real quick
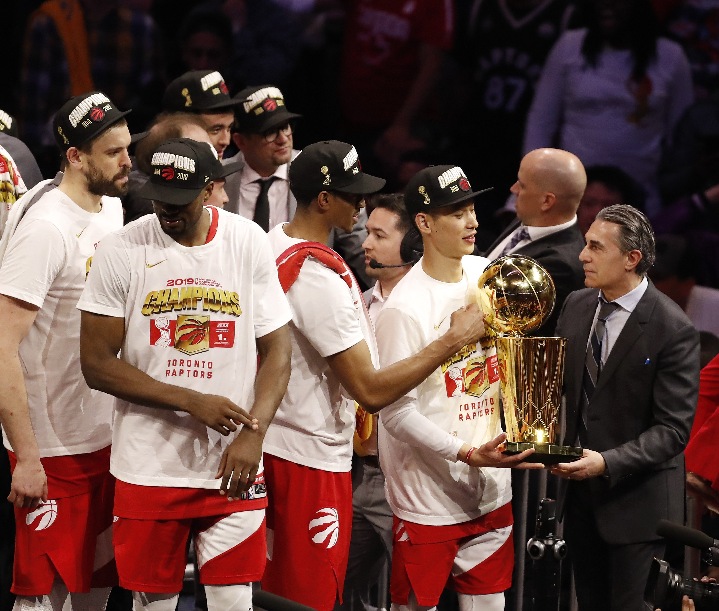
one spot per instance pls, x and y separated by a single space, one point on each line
558 253
640 415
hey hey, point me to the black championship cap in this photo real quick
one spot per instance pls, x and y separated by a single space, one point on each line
83 118
8 125
436 187
262 109
331 166
181 169
198 91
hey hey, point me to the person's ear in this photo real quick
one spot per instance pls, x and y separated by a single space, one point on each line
633 259
208 191
423 222
550 199
323 200
73 156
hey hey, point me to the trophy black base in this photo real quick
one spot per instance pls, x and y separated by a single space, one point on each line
546 453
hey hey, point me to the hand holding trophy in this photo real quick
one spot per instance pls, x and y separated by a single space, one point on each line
517 295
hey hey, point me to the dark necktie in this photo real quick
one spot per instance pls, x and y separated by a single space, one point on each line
593 359
262 205
523 234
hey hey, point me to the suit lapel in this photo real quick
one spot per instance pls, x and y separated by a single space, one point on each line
553 240
577 328
512 226
585 315
632 331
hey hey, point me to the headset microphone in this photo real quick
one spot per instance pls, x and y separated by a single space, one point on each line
377 265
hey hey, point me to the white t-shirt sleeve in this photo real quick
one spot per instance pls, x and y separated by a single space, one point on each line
35 256
270 307
398 338
324 310
108 282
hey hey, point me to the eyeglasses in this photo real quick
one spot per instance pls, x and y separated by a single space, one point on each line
272 135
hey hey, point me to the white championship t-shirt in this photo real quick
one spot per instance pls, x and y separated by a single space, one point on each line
191 318
420 435
46 262
315 422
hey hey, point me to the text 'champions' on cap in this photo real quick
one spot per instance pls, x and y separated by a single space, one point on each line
198 91
261 109
83 118
331 165
438 186
181 169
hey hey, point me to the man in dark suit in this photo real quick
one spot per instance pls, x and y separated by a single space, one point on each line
631 383
550 184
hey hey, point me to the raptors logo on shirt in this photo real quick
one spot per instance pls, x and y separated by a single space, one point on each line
472 377
325 527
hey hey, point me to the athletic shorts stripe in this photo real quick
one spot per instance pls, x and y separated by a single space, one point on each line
475 557
151 554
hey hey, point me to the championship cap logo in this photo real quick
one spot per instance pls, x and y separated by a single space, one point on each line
84 117
423 192
269 105
97 114
181 169
438 186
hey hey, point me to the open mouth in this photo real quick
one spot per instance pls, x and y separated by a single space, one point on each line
170 220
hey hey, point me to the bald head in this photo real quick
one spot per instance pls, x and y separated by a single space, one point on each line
552 182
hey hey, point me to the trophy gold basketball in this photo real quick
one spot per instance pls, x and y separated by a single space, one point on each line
517 295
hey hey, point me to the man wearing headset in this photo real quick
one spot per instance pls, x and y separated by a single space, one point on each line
391 248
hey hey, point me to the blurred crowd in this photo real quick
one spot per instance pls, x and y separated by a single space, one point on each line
411 83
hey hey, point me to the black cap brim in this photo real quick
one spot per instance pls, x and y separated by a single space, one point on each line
364 184
168 195
280 119
99 133
227 169
135 138
464 198
218 105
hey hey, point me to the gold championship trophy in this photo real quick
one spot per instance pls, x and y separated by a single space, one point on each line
517 295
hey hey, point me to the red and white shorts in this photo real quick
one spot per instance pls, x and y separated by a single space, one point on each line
151 553
475 557
70 534
309 524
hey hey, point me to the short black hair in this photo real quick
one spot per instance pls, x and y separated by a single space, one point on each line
394 202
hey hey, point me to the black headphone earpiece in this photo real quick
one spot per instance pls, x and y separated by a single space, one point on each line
411 249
